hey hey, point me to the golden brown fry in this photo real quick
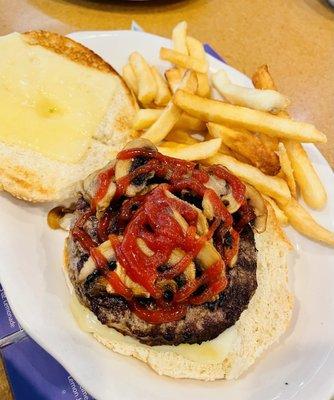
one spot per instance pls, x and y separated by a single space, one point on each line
179 36
304 223
249 146
183 60
280 215
262 79
171 114
307 178
163 94
173 77
196 50
130 78
197 151
310 185
147 87
164 124
170 145
204 88
287 169
270 142
269 185
190 123
180 136
222 113
240 157
145 117
227 151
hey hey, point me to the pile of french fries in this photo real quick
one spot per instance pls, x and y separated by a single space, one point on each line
247 130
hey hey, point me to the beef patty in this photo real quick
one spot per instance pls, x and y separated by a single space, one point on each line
202 322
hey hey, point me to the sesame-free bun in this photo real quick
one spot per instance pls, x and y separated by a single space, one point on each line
32 176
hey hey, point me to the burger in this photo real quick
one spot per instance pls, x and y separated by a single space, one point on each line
178 264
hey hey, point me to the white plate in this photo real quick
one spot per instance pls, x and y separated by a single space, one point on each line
31 273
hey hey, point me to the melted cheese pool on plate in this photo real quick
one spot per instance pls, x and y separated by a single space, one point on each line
210 352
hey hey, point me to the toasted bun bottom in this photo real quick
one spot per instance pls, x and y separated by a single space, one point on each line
260 325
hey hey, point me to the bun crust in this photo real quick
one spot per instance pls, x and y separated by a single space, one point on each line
259 326
29 175
68 48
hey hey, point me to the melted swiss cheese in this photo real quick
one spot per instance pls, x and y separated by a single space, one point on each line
211 352
49 103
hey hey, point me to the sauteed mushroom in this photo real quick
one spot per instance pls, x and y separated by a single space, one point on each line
256 201
90 187
124 167
221 187
60 218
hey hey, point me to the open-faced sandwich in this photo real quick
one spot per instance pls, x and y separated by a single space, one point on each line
178 264
64 113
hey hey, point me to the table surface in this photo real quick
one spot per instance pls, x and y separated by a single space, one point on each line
295 38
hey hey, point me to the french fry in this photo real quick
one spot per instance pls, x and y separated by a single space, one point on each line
179 36
190 123
163 94
287 169
229 152
310 185
197 151
171 114
164 124
239 157
273 149
196 50
304 223
167 144
262 79
280 215
311 188
265 100
180 136
147 87
269 185
145 117
203 89
249 146
270 142
226 150
130 78
260 121
173 77
183 60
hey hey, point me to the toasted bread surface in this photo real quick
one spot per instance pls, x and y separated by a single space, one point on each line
68 48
